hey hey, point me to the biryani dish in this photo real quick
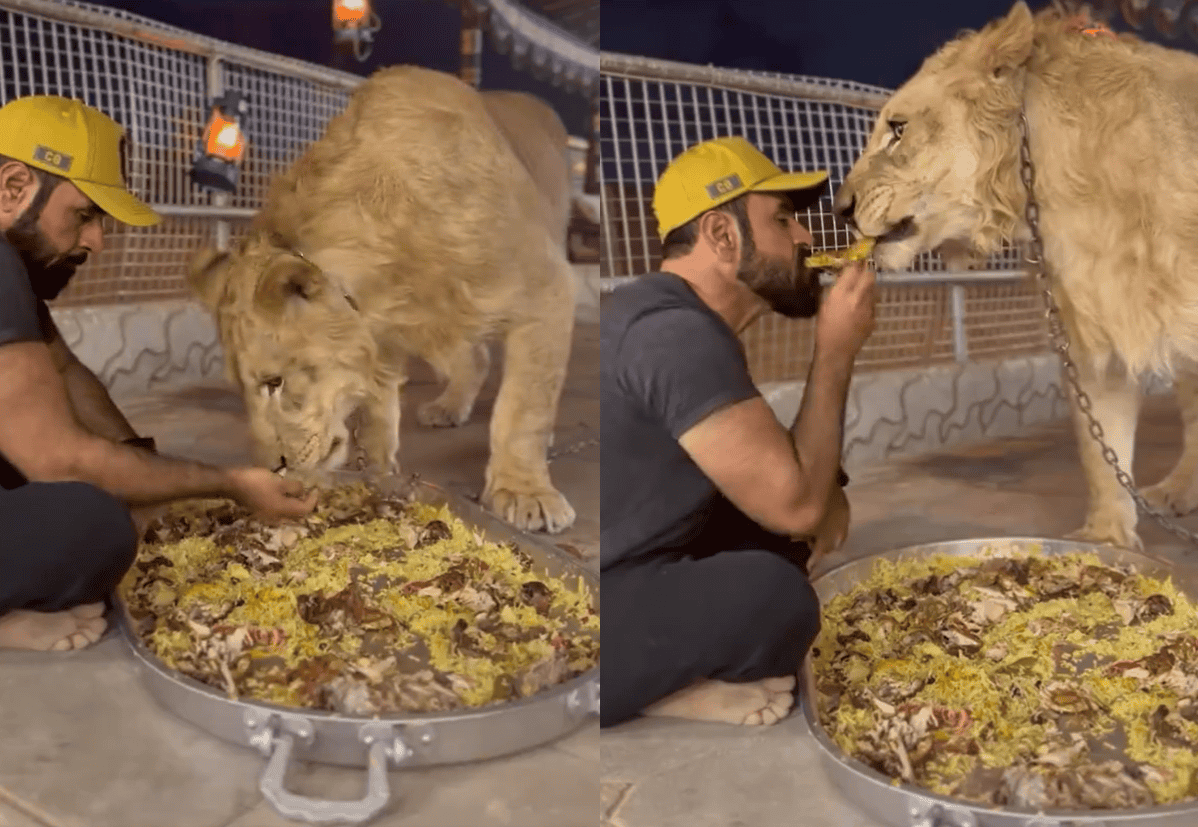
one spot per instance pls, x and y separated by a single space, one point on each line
373 604
1016 679
838 259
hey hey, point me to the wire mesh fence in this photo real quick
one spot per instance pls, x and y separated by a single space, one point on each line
652 110
158 81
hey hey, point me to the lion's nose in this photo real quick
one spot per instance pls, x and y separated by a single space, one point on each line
844 203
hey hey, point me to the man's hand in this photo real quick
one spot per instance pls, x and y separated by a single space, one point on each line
846 317
832 531
269 495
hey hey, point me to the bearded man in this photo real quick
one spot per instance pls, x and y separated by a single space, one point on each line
72 469
712 511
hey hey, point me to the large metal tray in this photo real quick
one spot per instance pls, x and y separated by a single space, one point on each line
284 733
906 805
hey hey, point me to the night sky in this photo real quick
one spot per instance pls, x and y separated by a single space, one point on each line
421 32
880 42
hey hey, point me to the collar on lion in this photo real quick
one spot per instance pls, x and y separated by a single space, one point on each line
336 282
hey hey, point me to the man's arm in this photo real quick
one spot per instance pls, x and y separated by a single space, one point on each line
41 437
88 398
787 481
783 481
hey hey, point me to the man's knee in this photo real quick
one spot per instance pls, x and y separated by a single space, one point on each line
789 608
104 524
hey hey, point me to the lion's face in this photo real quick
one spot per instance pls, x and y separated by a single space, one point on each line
298 403
297 348
915 186
939 170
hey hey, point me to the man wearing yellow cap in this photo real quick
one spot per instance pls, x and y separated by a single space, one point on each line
71 467
707 500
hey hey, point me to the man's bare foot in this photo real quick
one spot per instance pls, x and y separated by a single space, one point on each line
759 703
74 628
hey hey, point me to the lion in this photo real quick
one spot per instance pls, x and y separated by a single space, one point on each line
428 219
1113 133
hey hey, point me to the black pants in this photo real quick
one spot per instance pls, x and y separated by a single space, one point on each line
734 605
62 544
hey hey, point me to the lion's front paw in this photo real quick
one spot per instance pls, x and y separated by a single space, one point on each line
543 509
436 414
1108 530
1170 499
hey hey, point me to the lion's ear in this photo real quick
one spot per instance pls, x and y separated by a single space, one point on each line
1008 44
207 274
288 280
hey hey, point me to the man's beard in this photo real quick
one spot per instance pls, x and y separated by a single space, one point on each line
788 287
49 270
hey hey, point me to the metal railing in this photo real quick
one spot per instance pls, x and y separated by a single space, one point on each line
157 81
651 110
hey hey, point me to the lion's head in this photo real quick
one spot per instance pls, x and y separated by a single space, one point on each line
941 168
295 344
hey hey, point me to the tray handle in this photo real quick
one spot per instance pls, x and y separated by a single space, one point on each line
924 813
277 741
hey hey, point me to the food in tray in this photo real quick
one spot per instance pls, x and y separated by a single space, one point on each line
838 259
1016 678
373 604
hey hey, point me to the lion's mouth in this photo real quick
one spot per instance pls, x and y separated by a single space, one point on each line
901 230
334 444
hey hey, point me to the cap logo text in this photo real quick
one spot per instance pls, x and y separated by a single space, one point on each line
55 159
724 186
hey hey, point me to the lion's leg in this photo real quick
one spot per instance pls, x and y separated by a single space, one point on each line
518 487
1115 402
466 367
379 434
1177 494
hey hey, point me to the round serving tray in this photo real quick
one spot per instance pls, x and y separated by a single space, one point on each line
282 733
906 805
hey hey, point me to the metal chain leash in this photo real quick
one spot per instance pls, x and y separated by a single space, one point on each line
1060 341
577 447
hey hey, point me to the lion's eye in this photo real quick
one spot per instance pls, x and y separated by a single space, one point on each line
896 128
272 383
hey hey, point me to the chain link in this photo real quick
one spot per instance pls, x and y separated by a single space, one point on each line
577 447
1060 341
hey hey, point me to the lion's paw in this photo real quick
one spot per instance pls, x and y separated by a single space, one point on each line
1166 498
1108 531
541 510
437 414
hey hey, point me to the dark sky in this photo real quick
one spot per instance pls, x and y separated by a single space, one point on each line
881 42
422 32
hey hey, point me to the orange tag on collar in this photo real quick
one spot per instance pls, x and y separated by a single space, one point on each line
1094 31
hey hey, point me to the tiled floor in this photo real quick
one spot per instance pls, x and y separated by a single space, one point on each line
85 745
659 773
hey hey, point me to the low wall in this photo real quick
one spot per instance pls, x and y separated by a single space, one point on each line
138 348
898 413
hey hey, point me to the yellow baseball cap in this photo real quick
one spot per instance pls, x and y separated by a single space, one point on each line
716 171
78 142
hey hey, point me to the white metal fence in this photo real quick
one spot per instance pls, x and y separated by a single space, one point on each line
651 110
157 81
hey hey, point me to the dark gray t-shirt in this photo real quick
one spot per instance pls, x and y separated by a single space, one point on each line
23 318
21 312
668 360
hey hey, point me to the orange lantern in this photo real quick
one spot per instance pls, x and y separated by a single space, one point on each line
350 14
355 24
222 147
